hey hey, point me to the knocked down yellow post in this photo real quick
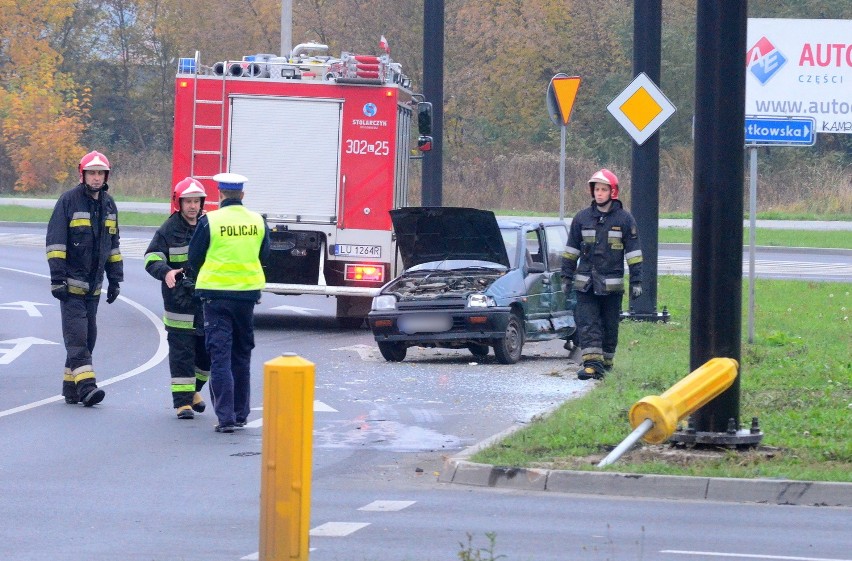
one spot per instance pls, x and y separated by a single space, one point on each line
654 418
285 479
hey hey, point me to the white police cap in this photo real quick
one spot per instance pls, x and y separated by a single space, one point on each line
230 181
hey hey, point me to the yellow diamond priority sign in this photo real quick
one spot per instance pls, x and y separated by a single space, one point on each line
641 108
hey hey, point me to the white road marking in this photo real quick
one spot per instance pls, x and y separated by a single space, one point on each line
365 352
749 555
337 529
297 309
386 506
319 407
30 307
159 355
19 347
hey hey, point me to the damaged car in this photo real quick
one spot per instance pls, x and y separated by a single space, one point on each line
471 281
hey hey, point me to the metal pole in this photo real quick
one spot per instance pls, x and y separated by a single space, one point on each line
562 174
752 236
433 90
717 208
286 27
627 443
645 173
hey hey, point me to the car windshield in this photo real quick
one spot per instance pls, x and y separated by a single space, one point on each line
510 240
456 264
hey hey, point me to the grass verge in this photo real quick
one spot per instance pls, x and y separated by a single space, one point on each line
796 378
765 236
14 213
838 239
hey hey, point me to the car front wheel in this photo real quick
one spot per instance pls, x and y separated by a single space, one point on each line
393 352
508 349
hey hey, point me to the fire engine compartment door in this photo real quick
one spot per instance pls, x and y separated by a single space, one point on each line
289 149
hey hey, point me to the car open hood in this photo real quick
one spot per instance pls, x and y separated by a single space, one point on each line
426 234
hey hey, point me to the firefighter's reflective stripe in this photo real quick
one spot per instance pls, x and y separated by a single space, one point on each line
183 385
571 253
78 287
154 256
614 285
114 256
633 257
202 375
179 254
589 236
67 376
179 321
80 219
581 281
56 251
82 373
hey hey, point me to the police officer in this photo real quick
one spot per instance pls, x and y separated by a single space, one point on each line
167 261
227 250
82 244
602 236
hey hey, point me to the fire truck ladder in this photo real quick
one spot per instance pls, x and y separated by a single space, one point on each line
216 127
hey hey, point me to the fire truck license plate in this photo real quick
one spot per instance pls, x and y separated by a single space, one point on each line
358 250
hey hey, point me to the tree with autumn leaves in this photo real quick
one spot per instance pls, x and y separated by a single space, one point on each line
77 75
42 111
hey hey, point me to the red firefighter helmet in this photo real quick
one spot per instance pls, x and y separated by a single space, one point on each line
94 160
607 178
187 187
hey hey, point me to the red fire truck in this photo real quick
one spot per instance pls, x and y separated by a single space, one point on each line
324 143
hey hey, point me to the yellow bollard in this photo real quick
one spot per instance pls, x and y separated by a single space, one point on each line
684 398
285 479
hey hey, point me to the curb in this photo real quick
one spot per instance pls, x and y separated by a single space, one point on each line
458 470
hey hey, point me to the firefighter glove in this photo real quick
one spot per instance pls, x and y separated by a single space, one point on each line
635 291
183 293
59 291
112 292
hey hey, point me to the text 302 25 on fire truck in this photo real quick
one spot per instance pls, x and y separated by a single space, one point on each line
324 142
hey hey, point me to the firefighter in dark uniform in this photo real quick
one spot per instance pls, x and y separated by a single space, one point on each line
82 244
601 238
227 251
167 261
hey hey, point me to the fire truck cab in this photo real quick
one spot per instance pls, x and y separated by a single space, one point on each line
324 143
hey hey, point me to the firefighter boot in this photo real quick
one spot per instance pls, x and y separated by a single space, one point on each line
69 390
591 370
198 404
185 412
91 395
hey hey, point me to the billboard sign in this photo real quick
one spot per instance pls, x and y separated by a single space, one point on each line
801 68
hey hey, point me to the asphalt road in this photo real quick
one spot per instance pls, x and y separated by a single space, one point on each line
127 480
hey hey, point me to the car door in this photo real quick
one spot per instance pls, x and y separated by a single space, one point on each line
539 289
562 304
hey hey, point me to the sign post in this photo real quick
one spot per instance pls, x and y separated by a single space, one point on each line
642 108
561 93
768 131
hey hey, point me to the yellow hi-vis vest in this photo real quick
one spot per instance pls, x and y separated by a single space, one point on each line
232 261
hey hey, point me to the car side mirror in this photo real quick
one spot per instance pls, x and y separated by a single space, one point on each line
424 143
536 267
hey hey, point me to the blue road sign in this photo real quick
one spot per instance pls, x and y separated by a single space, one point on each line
780 131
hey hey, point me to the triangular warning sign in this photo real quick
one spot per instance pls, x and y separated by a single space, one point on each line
565 89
